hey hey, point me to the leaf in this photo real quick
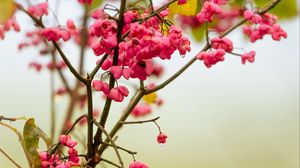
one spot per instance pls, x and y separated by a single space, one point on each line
284 9
31 136
198 32
7 9
150 98
187 9
95 4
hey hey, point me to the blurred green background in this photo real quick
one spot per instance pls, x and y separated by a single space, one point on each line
229 116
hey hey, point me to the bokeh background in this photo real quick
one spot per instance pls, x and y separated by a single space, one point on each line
229 116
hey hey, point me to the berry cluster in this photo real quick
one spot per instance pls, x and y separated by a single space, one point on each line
54 161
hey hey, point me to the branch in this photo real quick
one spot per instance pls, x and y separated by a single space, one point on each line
206 47
90 119
62 54
111 141
10 158
140 122
118 125
110 162
98 66
68 131
121 148
11 119
106 109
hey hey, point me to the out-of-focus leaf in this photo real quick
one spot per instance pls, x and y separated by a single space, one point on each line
150 98
7 9
187 9
95 4
31 136
284 9
198 33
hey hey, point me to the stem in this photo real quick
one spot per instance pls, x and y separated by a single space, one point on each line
110 162
68 132
60 73
68 63
98 66
84 39
75 123
106 109
179 72
121 148
10 158
11 119
111 141
52 107
90 120
118 125
140 122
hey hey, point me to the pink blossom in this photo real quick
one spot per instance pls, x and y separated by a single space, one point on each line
211 58
2 32
118 94
51 34
277 32
253 17
208 10
70 24
248 57
162 138
137 164
100 86
12 23
222 43
85 1
130 16
35 65
180 2
141 110
39 9
220 2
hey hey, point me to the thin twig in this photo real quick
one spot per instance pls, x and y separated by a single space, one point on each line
10 158
121 148
90 118
62 54
110 162
98 66
140 122
118 125
111 141
11 118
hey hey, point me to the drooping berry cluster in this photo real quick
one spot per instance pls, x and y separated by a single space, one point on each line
261 25
54 161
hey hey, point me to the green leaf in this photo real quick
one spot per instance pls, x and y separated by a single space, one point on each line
31 136
198 32
284 9
7 9
95 4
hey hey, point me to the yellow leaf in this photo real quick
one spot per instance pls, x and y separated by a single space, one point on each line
7 9
150 98
187 9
